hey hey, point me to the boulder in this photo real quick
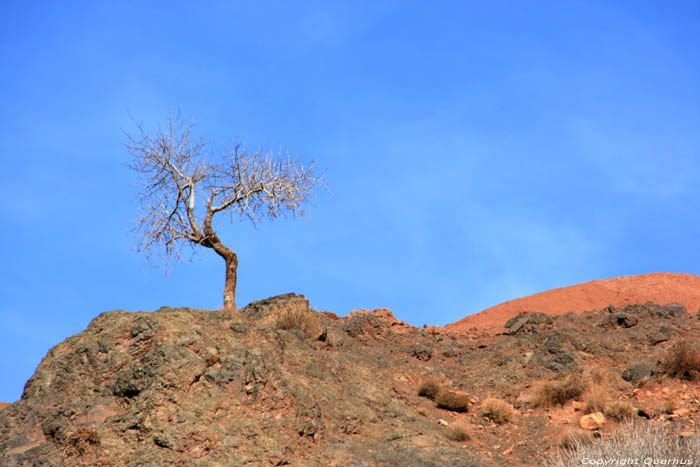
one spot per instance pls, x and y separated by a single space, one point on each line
525 322
592 421
637 372
262 308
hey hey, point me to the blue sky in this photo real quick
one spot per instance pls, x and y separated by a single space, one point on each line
476 152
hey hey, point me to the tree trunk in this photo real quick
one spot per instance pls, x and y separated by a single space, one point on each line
230 285
211 240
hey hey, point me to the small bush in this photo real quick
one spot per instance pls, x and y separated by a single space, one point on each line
454 401
634 440
596 399
574 438
620 410
559 393
497 410
669 405
430 388
303 320
598 375
457 431
683 362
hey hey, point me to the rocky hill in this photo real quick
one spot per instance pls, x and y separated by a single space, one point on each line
281 384
593 295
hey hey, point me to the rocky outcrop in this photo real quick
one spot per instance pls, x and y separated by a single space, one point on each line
195 387
527 322
684 289
214 388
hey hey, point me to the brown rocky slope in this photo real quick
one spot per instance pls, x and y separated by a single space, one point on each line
211 388
198 387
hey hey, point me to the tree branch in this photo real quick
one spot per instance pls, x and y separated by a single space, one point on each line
244 184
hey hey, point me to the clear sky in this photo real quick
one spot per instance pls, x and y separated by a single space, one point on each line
476 151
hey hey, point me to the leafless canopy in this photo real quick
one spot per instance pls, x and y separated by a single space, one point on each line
183 189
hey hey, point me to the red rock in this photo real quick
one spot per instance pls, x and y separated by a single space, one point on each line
578 406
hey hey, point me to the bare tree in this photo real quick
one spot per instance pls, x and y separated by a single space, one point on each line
176 174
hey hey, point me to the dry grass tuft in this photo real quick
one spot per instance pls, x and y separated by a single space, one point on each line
458 431
551 394
303 320
620 410
574 438
596 399
683 361
454 401
599 375
430 388
497 410
669 405
632 441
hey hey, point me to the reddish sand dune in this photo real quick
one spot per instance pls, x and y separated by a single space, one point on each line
3 405
661 288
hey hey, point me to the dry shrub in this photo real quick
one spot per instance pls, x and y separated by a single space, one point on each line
303 320
669 405
454 401
598 375
430 388
596 399
551 394
620 410
634 440
497 410
457 431
574 438
683 361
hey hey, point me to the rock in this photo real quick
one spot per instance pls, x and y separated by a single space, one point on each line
421 353
672 310
562 362
553 354
663 334
592 421
582 344
681 412
238 327
442 422
262 308
376 323
525 322
637 372
624 320
578 406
